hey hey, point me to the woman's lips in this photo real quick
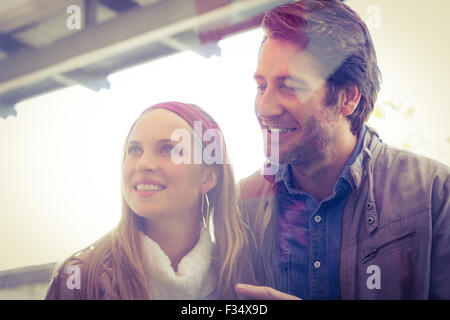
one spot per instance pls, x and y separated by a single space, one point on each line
147 187
147 193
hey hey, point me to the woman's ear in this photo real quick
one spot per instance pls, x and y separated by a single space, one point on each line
350 97
209 179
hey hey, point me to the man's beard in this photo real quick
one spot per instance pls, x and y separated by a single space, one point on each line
315 149
309 153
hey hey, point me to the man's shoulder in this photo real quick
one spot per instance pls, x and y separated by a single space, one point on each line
406 182
405 160
254 186
394 159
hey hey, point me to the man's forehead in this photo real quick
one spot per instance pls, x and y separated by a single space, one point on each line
286 57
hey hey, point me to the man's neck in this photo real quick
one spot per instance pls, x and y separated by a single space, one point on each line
320 178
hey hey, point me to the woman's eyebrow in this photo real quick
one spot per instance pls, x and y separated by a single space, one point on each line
134 142
161 141
256 76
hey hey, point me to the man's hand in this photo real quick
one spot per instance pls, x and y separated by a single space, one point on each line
261 293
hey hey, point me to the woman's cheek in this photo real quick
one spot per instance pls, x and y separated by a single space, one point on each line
177 172
185 174
127 172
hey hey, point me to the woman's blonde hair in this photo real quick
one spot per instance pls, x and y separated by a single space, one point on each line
120 251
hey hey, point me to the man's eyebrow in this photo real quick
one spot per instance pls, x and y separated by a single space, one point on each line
283 78
294 79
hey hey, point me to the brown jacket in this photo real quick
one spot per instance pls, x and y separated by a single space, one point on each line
69 281
397 219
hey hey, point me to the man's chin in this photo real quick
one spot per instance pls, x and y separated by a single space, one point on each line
303 160
280 159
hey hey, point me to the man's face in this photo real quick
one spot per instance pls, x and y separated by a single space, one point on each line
290 98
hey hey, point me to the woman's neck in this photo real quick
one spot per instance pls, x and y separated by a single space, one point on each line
176 238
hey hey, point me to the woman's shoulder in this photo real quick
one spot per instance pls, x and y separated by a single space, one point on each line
70 279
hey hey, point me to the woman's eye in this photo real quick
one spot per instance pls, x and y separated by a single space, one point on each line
260 88
133 150
166 149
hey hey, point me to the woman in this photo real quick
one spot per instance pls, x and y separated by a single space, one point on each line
171 205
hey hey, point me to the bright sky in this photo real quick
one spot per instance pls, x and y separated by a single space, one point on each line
60 166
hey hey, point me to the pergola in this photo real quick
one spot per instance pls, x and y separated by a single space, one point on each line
46 45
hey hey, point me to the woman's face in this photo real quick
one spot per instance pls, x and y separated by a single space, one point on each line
154 186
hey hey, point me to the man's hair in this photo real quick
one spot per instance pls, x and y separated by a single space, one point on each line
340 41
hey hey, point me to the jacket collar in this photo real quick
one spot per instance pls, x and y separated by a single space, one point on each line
371 144
362 170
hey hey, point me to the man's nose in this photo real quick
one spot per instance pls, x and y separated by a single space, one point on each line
268 104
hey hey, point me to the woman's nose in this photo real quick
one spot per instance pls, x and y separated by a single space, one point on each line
146 164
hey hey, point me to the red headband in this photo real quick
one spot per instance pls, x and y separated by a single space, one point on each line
191 114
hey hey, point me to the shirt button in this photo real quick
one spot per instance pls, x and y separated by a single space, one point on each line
317 219
316 264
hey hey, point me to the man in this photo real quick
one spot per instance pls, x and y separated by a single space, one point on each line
345 216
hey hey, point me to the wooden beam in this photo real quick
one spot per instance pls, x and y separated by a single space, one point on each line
129 30
90 13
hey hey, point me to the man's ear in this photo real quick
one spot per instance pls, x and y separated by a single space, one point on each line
209 179
349 99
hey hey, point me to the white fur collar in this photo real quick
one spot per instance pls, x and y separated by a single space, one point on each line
194 280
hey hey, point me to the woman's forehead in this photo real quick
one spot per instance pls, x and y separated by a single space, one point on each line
159 122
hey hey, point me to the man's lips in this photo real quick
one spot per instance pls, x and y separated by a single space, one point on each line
277 132
279 128
277 136
282 132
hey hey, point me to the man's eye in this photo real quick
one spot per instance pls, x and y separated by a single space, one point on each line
290 90
133 150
